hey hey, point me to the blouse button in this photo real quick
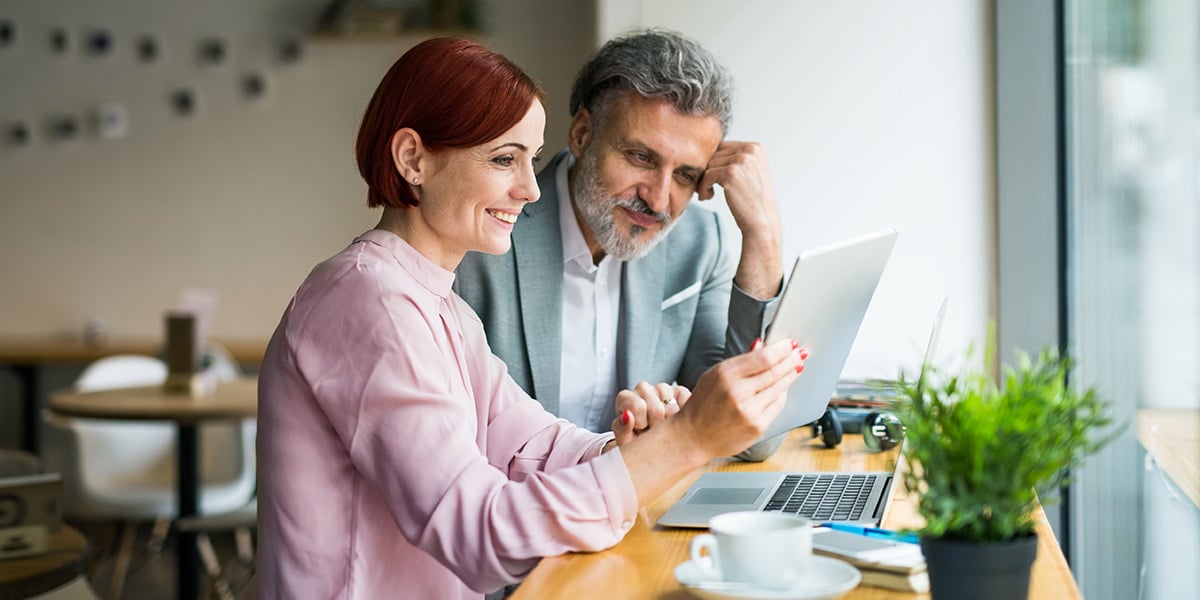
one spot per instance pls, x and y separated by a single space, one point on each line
626 524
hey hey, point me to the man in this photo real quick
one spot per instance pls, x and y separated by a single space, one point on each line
611 281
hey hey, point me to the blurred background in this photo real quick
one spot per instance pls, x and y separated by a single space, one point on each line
1039 158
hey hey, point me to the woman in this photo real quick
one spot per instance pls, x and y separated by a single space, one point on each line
397 456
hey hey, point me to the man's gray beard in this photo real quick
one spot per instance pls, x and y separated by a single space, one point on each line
597 211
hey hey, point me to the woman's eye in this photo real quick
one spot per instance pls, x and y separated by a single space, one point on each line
503 161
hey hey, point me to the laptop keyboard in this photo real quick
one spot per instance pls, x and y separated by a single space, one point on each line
840 497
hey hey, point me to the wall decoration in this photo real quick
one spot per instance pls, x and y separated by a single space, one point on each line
99 42
213 51
111 120
185 102
209 46
254 85
291 50
149 49
18 133
8 33
60 40
64 127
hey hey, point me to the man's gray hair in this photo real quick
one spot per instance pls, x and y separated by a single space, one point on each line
657 64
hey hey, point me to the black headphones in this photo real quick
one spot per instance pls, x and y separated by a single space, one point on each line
880 430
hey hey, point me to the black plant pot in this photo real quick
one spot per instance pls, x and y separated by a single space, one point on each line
970 570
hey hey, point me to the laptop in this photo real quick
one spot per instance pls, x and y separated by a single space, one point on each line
822 308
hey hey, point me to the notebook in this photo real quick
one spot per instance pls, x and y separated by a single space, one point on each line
822 308
861 498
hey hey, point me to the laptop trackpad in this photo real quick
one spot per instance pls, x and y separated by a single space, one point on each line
726 496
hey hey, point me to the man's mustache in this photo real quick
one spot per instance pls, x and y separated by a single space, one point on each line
636 203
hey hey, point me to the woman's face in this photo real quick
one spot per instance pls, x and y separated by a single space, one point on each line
471 197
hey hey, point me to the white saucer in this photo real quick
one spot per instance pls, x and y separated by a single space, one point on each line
827 579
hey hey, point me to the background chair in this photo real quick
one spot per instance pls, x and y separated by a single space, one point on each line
124 472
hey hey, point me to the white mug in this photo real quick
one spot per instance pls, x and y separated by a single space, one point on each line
771 550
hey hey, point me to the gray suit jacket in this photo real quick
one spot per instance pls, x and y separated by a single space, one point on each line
680 312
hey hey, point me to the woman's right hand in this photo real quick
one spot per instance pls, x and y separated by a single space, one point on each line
732 405
737 399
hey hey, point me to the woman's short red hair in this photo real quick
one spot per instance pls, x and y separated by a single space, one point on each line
454 92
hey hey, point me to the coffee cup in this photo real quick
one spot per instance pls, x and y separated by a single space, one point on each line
763 549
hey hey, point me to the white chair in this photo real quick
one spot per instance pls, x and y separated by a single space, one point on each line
125 471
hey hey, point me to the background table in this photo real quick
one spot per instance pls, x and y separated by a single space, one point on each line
26 355
231 401
643 564
65 562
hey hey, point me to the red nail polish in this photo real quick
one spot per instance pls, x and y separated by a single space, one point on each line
626 417
795 344
800 369
803 354
756 344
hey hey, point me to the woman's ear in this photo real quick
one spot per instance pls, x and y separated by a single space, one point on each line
580 133
408 154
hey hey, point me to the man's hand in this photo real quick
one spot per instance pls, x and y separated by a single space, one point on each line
647 405
740 168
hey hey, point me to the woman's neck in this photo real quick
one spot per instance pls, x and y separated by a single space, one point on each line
407 223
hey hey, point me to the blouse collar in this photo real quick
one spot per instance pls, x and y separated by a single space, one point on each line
427 273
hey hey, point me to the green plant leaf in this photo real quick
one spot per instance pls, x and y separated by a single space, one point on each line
981 454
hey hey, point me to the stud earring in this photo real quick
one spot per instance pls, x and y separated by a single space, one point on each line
416 181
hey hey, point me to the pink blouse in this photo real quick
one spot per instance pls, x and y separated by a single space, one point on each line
396 456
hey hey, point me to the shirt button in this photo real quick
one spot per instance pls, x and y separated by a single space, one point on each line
626 524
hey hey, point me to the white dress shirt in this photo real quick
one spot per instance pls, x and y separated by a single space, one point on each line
591 303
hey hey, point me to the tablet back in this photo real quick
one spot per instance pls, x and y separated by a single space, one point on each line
822 308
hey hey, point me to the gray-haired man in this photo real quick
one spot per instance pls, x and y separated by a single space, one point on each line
611 282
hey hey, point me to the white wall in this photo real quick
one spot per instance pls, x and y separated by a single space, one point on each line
243 198
875 114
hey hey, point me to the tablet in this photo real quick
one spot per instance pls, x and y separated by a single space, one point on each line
822 307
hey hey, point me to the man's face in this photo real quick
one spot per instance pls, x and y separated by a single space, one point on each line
634 178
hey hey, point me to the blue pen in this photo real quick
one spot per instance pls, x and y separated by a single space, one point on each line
873 532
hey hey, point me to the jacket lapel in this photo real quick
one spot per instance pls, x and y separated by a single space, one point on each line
642 283
537 244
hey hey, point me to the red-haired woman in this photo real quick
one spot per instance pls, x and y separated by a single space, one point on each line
396 456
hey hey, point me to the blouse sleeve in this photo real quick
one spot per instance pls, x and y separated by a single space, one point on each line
473 471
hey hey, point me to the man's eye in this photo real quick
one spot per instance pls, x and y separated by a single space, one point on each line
640 157
687 178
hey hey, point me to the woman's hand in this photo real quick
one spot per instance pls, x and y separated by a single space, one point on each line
733 404
737 399
646 405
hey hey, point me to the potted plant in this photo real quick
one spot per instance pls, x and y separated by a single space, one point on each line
982 455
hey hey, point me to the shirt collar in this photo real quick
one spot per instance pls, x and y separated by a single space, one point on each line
429 274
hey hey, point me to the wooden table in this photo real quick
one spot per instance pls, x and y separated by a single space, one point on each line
65 562
642 565
26 355
231 401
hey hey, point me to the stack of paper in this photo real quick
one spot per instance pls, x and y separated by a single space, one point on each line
903 575
885 558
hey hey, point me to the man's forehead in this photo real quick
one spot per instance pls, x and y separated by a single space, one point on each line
659 127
